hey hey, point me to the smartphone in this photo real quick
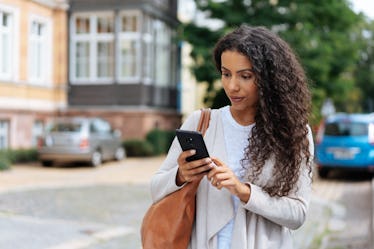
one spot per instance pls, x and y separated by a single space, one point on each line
192 140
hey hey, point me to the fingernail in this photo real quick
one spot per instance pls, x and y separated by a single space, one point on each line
192 152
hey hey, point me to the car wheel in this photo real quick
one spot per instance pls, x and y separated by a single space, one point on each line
323 172
120 153
47 163
96 158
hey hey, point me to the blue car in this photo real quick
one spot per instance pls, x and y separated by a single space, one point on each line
345 141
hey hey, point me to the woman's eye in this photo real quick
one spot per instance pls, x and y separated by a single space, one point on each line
246 76
225 75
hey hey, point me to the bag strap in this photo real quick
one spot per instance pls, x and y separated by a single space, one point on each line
204 120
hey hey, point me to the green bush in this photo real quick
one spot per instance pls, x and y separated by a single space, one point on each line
138 148
8 157
22 155
160 140
4 162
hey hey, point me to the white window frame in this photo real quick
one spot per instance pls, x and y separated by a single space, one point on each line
45 41
4 134
132 37
93 39
12 49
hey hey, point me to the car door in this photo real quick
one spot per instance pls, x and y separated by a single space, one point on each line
103 136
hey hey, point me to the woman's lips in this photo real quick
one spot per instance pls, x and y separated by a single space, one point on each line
236 99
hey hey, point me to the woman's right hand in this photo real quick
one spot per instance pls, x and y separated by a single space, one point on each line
194 170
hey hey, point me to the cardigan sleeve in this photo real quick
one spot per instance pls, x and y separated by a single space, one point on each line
289 211
163 181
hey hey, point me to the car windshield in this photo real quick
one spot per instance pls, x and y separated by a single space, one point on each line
67 127
346 129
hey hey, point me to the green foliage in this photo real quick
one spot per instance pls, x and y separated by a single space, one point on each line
8 157
364 71
4 162
157 142
324 35
138 148
160 140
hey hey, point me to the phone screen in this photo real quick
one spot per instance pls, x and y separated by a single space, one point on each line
192 140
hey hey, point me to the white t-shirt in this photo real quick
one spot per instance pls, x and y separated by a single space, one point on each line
236 140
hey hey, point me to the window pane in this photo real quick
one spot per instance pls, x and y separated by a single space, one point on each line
5 19
37 130
82 25
6 46
82 60
34 28
346 129
38 52
129 23
4 134
105 55
128 58
163 51
105 25
5 51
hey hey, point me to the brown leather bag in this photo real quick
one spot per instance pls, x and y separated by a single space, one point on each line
168 223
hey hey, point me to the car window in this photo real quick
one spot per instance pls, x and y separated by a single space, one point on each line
100 126
346 129
65 127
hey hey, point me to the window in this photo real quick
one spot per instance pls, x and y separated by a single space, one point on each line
8 43
92 48
4 134
129 47
346 129
40 51
148 49
162 57
37 130
5 44
100 126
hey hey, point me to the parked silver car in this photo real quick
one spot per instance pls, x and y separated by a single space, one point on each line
80 140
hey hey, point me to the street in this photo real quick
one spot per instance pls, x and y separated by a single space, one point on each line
75 207
351 225
101 208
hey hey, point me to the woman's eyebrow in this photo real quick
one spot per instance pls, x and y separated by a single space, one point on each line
242 70
246 69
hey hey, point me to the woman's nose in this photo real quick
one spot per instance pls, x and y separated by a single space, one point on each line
234 84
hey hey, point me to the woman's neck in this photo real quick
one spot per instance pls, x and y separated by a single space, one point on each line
245 117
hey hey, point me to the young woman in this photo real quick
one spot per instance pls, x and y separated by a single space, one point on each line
255 187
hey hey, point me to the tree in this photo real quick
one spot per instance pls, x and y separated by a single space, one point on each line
364 71
320 32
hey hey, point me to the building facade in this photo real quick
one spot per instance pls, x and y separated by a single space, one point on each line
124 63
33 68
116 59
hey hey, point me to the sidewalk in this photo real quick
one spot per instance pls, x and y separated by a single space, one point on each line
33 176
322 217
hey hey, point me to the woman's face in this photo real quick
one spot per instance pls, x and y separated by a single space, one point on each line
238 81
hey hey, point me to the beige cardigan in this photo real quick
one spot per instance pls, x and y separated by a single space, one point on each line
263 223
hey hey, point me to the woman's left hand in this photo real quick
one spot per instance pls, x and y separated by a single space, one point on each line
223 177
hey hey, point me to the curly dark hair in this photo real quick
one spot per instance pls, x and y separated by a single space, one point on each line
281 120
